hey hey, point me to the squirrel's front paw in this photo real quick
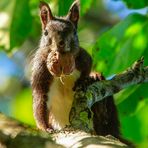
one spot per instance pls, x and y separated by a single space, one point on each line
96 76
50 130
83 83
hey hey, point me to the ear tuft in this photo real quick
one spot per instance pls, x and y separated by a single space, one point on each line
73 14
45 13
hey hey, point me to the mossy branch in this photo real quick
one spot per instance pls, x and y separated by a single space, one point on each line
136 74
14 134
97 91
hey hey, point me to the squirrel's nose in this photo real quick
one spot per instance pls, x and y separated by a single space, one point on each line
61 44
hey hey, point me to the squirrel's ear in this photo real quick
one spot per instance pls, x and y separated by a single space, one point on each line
45 14
73 14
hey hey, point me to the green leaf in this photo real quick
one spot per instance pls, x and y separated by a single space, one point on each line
85 5
21 23
119 47
22 107
136 4
138 122
4 4
133 100
63 7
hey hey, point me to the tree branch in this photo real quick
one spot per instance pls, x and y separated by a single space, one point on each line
85 98
14 134
136 74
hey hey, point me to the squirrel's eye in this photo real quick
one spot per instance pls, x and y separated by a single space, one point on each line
46 33
61 43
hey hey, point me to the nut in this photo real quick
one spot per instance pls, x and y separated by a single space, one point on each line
60 64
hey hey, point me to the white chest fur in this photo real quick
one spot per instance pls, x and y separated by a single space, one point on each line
60 99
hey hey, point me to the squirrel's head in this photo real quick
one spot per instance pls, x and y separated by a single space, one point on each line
60 33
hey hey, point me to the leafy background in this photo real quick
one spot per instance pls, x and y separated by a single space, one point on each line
115 33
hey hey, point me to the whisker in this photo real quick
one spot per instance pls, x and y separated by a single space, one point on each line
31 54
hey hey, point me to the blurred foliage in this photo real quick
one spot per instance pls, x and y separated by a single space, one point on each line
121 45
22 107
18 24
136 4
62 8
114 50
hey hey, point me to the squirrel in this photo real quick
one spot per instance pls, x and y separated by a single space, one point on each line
52 100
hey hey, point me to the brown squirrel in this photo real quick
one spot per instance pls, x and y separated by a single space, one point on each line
52 100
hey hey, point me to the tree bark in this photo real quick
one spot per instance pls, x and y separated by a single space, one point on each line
14 134
136 74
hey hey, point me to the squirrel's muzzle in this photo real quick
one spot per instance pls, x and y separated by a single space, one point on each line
60 64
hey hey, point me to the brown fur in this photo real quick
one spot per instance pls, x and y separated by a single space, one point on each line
55 30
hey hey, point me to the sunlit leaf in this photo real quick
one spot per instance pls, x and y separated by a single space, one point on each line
4 4
119 47
85 5
22 107
20 23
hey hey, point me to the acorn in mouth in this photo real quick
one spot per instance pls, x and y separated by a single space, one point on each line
60 64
